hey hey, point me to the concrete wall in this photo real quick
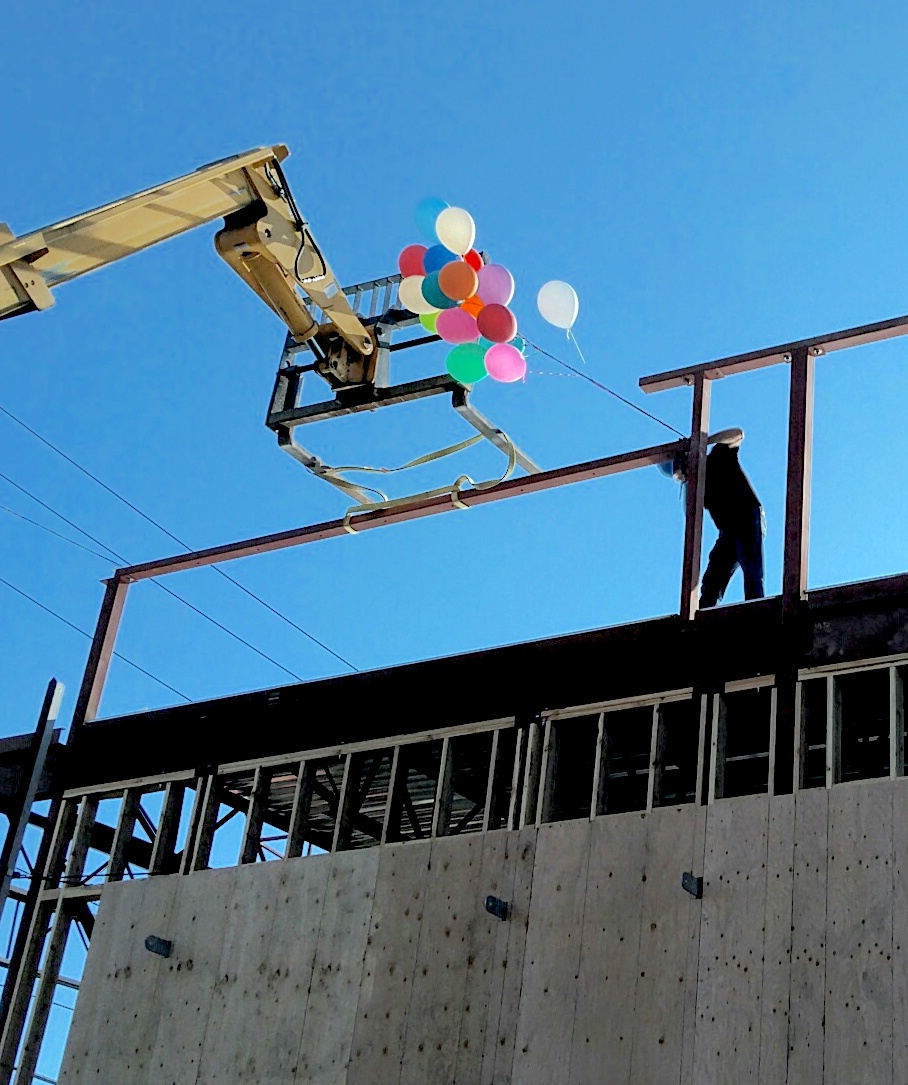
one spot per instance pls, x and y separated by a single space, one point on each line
381 967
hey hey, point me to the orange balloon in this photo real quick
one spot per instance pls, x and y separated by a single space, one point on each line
472 305
458 280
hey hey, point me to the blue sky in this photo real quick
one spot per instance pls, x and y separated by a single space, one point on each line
711 178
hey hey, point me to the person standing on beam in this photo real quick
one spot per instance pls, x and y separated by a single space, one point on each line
736 511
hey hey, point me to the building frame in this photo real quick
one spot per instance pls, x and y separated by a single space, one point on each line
372 787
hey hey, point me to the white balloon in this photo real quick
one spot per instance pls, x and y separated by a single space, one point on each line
558 303
411 297
456 230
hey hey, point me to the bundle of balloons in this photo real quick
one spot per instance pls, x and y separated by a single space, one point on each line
460 297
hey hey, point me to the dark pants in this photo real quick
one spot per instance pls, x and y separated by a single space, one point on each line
742 546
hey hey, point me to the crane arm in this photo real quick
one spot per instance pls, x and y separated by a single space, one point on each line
264 239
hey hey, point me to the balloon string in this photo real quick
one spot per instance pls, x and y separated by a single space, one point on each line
598 384
548 373
573 339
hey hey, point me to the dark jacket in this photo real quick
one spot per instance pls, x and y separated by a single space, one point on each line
730 498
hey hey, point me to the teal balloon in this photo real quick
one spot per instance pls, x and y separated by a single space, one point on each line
427 212
466 363
434 294
485 343
519 343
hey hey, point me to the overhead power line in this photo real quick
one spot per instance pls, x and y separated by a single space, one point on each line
71 625
157 583
50 531
155 523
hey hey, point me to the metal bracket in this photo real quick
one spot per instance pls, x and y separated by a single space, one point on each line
496 907
162 946
693 885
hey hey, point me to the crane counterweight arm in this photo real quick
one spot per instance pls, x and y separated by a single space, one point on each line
265 240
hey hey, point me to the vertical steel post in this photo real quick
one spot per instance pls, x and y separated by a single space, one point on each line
102 647
696 488
29 941
797 492
32 770
794 568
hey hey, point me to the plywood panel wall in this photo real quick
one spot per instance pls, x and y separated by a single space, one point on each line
383 966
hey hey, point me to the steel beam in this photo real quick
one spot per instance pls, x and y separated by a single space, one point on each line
365 397
416 510
760 359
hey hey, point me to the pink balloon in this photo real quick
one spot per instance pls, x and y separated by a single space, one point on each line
496 284
505 363
410 260
457 326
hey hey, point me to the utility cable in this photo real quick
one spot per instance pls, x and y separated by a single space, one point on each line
598 384
149 519
111 554
119 655
157 584
50 531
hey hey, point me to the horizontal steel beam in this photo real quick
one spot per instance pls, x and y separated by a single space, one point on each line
759 359
381 517
363 398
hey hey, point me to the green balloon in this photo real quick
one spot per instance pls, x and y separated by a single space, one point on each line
428 321
466 363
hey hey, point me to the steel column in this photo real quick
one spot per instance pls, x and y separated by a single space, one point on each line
794 568
696 489
32 769
99 655
797 493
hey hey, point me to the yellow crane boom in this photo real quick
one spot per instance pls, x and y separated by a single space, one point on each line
265 240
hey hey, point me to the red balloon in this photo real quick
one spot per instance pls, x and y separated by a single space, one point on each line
497 323
473 259
410 260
